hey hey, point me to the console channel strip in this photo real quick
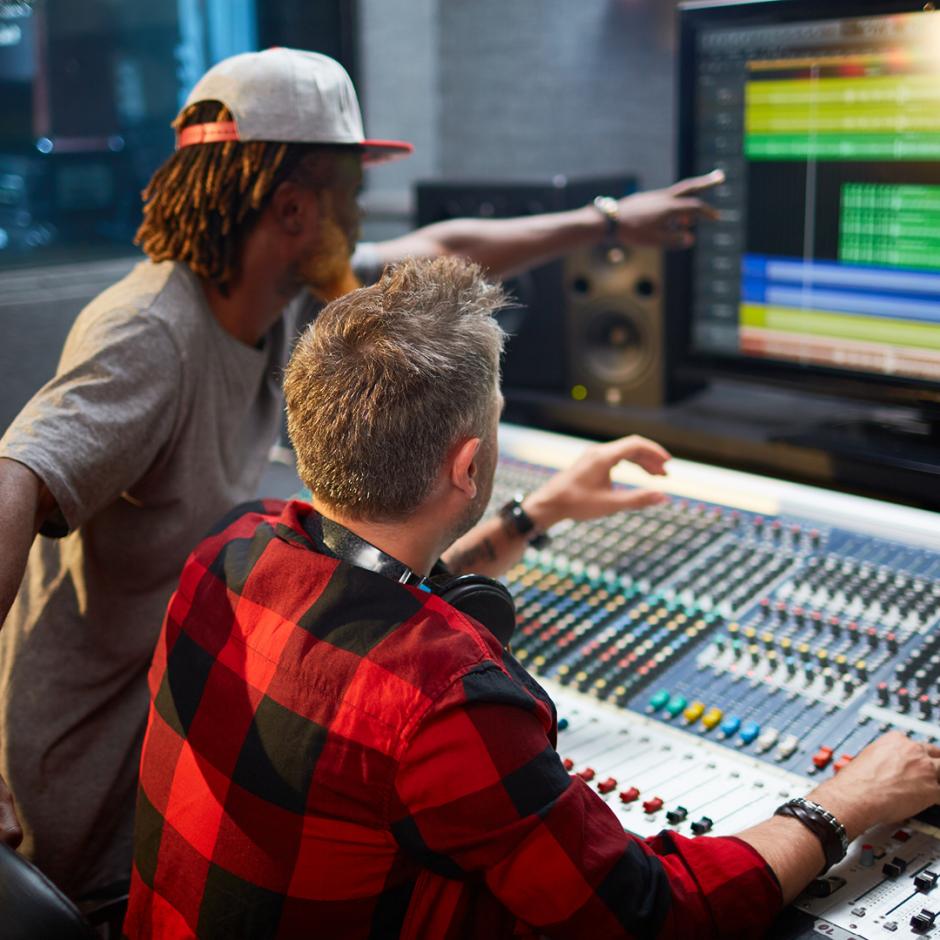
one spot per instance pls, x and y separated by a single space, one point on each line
654 777
785 639
710 656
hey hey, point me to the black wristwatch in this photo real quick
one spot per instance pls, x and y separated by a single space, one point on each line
516 519
822 824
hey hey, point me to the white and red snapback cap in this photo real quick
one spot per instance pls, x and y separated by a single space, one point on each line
289 96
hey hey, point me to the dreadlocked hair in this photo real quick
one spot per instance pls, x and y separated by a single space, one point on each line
204 199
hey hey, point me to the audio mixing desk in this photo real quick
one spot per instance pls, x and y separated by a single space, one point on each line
716 655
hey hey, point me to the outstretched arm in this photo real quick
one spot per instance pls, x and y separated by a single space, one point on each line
583 491
663 217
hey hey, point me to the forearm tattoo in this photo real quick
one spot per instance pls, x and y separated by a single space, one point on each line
466 560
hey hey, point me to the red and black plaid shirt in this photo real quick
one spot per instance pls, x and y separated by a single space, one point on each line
332 754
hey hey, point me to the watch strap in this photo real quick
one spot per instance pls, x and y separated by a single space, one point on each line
609 208
517 520
830 832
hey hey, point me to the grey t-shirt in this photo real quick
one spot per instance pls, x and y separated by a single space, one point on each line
157 422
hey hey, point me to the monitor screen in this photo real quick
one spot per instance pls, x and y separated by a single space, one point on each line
826 258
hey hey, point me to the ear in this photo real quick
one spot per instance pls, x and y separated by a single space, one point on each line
463 467
293 208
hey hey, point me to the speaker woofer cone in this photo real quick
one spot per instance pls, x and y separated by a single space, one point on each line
616 346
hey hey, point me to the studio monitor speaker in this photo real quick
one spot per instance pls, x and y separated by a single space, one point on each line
614 325
587 327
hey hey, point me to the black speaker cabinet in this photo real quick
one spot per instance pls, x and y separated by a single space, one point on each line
614 325
536 356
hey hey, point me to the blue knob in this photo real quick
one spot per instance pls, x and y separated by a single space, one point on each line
730 725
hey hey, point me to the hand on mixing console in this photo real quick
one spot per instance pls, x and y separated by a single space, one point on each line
585 491
890 780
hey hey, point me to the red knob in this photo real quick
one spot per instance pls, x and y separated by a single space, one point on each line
630 795
653 805
606 786
587 774
822 757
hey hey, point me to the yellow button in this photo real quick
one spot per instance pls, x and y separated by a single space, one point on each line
733 629
694 712
785 644
712 717
750 632
767 639
862 666
822 655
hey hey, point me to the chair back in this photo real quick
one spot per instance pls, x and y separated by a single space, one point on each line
32 906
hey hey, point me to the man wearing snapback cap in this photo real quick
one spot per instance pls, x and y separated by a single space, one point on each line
164 407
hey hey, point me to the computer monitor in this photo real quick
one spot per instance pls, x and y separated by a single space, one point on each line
824 268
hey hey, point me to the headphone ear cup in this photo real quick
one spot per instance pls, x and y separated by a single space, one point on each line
484 599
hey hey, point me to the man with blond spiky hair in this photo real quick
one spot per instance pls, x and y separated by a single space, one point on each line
163 410
341 745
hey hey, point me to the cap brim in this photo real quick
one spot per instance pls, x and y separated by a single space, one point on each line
382 151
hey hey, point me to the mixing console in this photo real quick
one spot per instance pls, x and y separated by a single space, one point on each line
708 659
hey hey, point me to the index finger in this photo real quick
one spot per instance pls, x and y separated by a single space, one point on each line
698 184
639 450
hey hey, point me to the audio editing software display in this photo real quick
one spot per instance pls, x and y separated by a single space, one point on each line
709 662
828 252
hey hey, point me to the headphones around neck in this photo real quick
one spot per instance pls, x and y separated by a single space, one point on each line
484 599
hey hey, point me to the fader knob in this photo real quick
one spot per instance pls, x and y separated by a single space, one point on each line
842 762
677 815
652 806
630 795
787 747
822 757
676 706
767 740
926 709
730 726
694 712
711 718
659 700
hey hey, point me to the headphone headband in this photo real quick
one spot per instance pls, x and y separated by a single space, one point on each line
484 599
